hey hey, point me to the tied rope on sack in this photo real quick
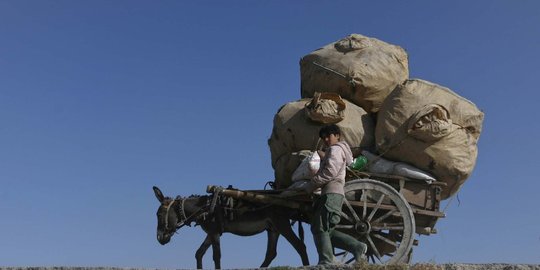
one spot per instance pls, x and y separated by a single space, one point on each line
325 108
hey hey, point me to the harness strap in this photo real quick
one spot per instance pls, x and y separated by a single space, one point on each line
214 200
186 220
182 212
167 214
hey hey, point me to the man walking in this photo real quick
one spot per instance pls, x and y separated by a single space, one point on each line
331 179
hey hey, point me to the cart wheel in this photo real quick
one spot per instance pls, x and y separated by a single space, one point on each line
376 214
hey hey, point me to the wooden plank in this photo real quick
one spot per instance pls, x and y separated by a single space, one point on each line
260 198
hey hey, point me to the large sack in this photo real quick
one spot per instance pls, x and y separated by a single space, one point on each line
361 69
433 128
294 131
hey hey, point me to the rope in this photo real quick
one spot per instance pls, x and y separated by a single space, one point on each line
271 184
386 151
329 69
451 199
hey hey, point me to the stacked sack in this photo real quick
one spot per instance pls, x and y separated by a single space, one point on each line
361 69
296 130
432 128
361 84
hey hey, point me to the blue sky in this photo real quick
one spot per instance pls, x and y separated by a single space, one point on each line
101 100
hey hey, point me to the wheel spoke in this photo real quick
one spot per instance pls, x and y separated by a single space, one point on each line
374 248
345 216
364 200
344 226
343 255
381 218
385 239
390 227
376 207
356 218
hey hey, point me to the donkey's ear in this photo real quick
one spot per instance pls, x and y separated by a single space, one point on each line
158 194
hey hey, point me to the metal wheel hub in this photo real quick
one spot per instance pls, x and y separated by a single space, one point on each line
362 227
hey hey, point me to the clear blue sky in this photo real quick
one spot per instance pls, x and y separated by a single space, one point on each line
101 100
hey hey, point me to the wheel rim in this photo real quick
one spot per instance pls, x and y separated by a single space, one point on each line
376 214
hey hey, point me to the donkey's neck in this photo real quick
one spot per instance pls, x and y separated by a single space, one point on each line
193 204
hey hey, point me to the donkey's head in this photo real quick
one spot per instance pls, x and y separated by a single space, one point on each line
167 217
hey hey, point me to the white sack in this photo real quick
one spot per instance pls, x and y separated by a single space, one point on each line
381 165
308 168
286 165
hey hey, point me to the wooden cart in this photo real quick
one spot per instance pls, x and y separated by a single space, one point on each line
383 211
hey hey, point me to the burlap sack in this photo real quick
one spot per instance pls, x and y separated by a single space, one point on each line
294 131
361 69
432 128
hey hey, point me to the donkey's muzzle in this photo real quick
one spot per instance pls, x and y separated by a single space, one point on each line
163 238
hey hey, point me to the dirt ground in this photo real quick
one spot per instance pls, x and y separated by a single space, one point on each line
454 266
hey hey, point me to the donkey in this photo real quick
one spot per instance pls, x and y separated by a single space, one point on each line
173 214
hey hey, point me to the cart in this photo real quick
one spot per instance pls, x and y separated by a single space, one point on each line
383 211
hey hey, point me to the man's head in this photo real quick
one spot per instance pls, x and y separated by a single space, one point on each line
330 134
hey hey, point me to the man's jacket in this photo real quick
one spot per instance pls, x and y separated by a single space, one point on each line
331 176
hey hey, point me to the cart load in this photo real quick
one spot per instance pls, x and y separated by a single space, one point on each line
365 90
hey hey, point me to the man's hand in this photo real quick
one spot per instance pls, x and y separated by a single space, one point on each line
309 187
321 153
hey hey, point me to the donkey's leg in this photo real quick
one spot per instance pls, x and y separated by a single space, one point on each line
202 249
284 227
216 250
271 247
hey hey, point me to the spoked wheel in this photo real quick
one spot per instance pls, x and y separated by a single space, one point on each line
376 214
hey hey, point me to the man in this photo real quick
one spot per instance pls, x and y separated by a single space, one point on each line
331 179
